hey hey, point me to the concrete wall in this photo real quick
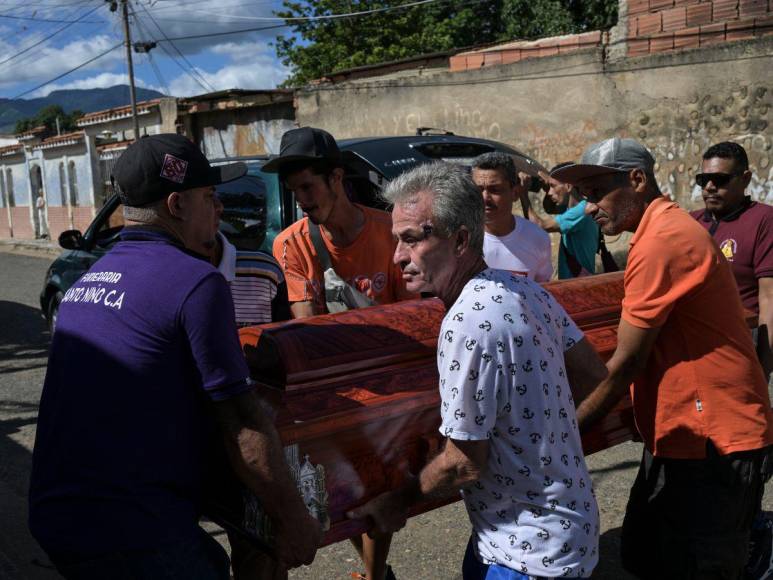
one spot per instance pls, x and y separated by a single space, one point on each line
77 158
678 103
21 186
247 131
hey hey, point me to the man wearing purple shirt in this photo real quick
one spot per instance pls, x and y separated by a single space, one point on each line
145 380
743 229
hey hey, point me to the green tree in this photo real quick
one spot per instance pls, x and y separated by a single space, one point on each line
319 47
47 116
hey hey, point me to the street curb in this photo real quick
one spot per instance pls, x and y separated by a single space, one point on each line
33 247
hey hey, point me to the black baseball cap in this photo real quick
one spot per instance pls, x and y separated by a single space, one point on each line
157 165
613 155
305 144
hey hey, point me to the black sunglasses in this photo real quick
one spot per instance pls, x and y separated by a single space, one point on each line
718 179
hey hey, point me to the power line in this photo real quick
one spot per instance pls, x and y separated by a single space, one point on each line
72 70
157 73
50 36
325 17
226 33
57 21
189 71
197 76
285 25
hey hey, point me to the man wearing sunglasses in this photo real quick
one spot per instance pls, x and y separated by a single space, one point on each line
699 395
743 229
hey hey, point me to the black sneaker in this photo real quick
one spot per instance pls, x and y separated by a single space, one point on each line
760 563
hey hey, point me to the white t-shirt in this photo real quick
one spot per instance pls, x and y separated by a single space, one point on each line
502 378
525 251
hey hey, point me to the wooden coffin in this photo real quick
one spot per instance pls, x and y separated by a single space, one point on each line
356 393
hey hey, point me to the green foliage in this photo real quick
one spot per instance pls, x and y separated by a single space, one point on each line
47 116
319 47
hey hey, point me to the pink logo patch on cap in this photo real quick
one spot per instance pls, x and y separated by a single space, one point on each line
174 169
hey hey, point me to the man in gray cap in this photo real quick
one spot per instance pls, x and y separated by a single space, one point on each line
700 398
145 379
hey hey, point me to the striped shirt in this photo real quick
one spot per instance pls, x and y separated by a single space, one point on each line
257 285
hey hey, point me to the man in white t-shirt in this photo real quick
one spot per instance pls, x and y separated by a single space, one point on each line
511 242
507 355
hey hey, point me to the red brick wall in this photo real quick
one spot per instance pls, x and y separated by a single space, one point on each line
58 221
653 26
662 25
22 225
5 231
515 51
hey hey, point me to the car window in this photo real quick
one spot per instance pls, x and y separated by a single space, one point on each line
244 219
461 153
107 235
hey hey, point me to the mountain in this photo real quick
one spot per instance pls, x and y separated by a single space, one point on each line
87 100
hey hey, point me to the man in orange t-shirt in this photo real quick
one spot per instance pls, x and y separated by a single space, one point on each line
700 398
359 242
358 239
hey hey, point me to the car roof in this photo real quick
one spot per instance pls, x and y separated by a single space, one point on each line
391 156
394 155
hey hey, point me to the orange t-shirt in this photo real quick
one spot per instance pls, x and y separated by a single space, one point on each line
702 380
366 263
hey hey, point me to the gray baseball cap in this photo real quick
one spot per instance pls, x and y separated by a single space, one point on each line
614 155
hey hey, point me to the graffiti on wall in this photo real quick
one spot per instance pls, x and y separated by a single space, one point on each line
455 118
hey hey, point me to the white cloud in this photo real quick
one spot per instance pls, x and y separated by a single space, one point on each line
47 61
180 18
100 81
244 51
258 74
252 66
238 61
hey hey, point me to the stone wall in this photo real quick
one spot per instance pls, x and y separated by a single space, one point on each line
550 106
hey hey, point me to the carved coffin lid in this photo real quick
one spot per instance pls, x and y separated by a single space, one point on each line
317 349
355 366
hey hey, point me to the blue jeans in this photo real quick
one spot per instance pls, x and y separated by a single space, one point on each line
199 559
473 569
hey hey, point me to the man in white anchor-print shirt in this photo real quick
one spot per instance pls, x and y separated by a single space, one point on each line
507 354
502 379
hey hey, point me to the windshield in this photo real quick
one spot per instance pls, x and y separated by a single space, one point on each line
252 209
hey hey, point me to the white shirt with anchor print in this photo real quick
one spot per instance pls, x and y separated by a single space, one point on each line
502 378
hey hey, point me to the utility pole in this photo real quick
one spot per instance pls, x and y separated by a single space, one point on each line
128 44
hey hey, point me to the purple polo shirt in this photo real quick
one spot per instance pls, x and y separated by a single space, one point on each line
145 341
745 238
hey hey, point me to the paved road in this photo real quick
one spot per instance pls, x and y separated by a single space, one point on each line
431 547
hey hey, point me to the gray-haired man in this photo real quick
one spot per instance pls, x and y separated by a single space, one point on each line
507 353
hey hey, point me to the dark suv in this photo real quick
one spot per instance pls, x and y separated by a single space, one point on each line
257 207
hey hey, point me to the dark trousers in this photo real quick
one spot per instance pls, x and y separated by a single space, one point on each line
690 518
199 559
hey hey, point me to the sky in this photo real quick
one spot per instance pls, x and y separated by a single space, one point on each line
178 68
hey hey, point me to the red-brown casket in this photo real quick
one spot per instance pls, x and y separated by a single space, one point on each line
356 393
